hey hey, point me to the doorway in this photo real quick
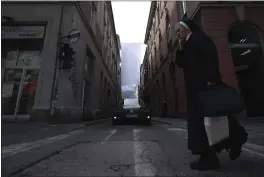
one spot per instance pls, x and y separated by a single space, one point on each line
18 91
20 71
247 55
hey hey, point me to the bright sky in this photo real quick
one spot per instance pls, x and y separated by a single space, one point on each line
131 19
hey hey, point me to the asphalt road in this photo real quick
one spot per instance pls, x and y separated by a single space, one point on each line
128 150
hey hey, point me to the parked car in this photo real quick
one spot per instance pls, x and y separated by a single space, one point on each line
132 109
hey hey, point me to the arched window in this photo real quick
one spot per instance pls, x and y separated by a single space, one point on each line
163 80
158 13
168 27
244 43
160 46
245 46
156 56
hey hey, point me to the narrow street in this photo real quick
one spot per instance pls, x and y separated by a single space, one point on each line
125 150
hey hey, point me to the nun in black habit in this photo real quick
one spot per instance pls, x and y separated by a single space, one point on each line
198 57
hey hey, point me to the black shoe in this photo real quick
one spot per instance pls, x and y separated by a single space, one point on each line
205 163
238 141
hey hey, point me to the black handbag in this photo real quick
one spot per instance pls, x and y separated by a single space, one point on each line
220 100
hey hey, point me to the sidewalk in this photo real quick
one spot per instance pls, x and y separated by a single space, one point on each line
19 132
254 127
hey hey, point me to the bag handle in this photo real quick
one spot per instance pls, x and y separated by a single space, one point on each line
213 85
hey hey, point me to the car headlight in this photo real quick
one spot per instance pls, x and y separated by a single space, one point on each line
148 117
114 117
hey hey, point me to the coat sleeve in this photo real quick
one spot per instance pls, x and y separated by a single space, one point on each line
179 59
211 61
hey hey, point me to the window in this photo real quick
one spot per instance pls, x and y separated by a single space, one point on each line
93 14
160 46
158 14
184 7
152 66
155 52
181 6
105 15
168 28
101 79
165 3
105 87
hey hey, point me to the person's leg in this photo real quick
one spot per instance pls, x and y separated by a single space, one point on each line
197 138
238 137
207 161
199 145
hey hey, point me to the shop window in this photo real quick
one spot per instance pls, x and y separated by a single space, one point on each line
28 58
21 53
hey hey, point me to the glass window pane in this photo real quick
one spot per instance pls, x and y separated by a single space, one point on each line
29 58
11 59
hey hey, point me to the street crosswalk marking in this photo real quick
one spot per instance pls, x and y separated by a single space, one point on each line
140 168
109 136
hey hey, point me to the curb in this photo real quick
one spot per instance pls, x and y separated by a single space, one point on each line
165 122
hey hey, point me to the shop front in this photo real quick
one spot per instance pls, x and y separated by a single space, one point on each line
21 48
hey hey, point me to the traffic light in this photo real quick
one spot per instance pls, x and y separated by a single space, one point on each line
66 55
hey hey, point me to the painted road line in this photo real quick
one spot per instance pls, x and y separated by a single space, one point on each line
22 147
253 152
18 148
249 147
141 169
176 129
163 125
254 146
136 135
109 136
76 132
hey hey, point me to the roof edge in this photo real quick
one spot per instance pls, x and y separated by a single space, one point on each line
150 19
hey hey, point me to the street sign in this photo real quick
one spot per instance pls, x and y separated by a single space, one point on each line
74 36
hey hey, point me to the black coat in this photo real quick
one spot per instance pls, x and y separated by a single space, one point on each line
200 64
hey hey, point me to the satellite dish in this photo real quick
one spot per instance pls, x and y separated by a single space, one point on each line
74 35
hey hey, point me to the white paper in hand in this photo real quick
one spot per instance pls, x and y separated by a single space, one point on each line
217 129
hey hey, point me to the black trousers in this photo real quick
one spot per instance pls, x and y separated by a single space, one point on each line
234 133
200 145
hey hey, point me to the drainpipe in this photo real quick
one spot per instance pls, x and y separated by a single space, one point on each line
55 83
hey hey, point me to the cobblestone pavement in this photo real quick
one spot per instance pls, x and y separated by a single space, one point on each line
127 150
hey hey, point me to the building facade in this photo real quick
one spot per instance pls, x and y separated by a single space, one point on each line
35 86
237 30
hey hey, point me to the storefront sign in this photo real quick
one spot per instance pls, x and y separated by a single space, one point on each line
22 32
